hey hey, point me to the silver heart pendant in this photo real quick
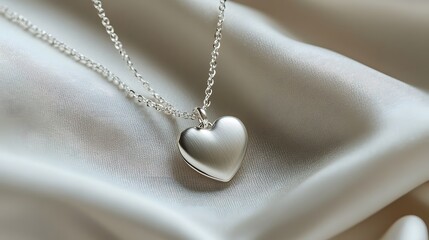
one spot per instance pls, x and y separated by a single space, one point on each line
215 150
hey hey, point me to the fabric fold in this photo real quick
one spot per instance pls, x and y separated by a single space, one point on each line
338 132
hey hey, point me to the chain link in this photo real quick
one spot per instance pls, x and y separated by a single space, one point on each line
105 21
214 55
97 67
159 103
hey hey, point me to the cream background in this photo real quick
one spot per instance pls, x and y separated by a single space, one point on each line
338 139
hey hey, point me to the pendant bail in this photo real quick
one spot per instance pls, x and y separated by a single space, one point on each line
202 117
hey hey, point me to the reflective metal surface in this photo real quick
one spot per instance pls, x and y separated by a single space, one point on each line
216 151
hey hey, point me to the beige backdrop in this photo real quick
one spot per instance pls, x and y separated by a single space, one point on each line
333 94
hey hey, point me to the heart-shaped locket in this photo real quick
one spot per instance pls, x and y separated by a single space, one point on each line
217 150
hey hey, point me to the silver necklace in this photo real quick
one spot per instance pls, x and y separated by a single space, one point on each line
214 150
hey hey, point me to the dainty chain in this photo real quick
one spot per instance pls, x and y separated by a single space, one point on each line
159 103
105 21
214 55
93 65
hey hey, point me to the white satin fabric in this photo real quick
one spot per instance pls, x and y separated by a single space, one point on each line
333 94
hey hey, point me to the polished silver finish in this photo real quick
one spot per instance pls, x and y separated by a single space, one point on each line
202 118
216 151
